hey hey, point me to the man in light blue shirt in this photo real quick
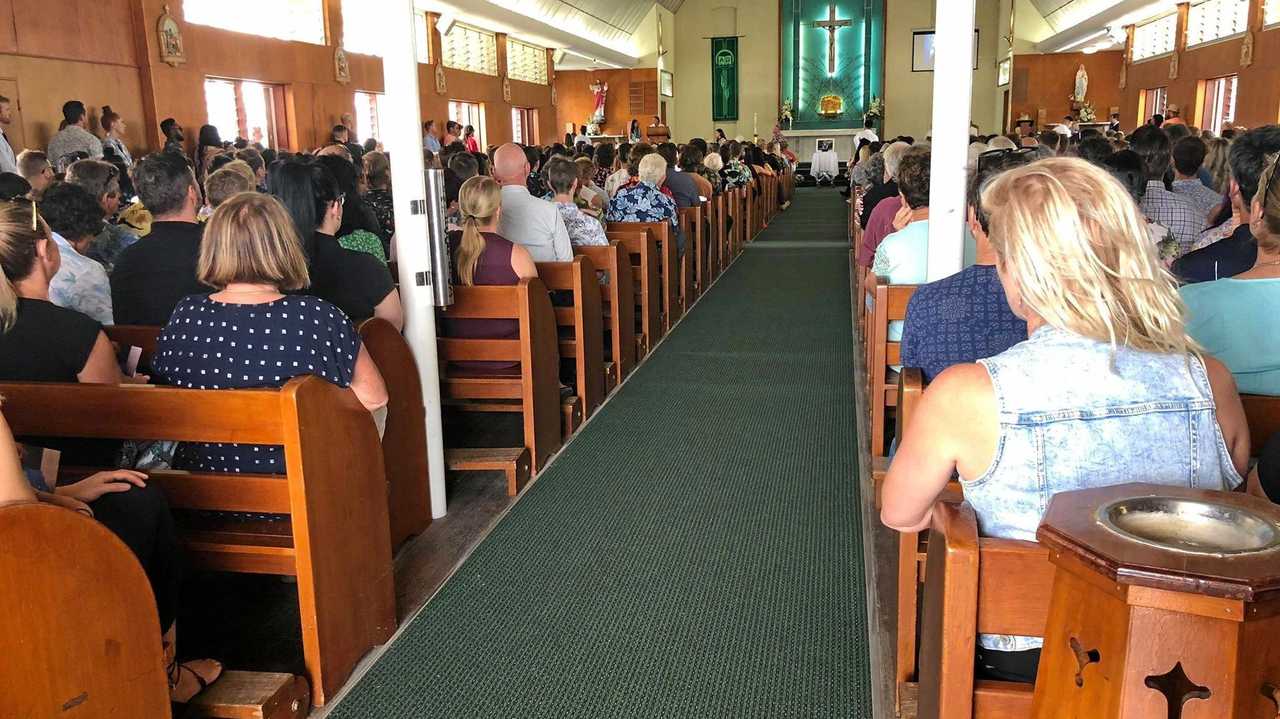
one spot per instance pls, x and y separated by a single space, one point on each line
430 140
80 283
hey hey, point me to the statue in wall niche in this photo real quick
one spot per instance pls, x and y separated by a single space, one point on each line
1082 84
441 87
600 90
169 34
341 67
1246 50
506 89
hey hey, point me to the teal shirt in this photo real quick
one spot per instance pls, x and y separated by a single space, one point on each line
1235 321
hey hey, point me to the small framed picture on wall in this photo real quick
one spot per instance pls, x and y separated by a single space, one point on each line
666 83
923 52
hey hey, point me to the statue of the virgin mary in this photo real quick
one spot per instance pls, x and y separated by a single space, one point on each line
1082 84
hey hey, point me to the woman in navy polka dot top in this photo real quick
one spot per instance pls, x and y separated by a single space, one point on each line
249 334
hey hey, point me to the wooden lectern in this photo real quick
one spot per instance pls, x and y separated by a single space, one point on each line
1166 603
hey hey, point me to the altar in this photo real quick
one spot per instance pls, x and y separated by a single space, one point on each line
605 139
805 142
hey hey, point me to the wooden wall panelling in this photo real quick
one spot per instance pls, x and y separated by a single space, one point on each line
1046 81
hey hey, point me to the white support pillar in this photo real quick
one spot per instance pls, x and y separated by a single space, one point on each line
402 130
952 108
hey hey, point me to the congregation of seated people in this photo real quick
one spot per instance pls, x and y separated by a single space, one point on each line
1112 276
275 258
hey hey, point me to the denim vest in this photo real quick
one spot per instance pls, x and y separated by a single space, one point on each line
1076 413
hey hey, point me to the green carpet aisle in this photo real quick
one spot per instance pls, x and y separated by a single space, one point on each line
695 552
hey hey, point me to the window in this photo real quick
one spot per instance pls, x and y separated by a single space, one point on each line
1215 19
300 20
1271 12
243 108
1153 103
1219 103
362 31
1155 38
368 115
524 126
466 48
526 62
468 113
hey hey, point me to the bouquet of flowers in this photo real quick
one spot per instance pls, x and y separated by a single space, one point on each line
785 115
1087 113
875 110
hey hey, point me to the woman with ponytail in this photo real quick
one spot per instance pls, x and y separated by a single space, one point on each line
113 128
483 257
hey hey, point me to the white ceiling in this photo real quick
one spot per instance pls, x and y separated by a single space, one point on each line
595 33
1093 25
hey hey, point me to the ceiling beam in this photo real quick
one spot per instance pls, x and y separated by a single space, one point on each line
1080 33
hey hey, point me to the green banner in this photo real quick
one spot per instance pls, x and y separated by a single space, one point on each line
724 78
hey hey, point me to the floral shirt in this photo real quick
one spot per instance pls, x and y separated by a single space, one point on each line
736 174
380 201
717 183
642 202
109 243
81 284
583 229
601 175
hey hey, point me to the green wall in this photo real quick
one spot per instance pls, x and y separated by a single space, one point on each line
859 62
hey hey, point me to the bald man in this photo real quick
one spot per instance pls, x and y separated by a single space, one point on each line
527 220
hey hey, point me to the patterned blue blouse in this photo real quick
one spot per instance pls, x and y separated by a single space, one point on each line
959 319
216 345
642 202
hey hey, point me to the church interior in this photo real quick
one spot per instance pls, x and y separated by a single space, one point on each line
685 359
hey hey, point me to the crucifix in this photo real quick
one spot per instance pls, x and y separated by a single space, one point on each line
831 25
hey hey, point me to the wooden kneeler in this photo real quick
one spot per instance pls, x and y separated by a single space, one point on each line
336 538
617 308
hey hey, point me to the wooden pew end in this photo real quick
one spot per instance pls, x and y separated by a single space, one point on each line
253 695
515 462
571 416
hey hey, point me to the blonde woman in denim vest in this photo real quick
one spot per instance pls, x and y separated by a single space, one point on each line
1107 389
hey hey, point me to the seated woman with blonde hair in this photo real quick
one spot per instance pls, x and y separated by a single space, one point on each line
1108 388
252 255
483 257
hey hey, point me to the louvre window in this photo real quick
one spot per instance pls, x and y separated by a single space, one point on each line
1155 38
526 62
471 49
1215 19
299 20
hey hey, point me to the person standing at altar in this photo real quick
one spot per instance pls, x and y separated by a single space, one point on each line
658 132
581 136
868 132
633 132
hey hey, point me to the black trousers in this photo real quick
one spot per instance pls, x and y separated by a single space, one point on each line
1008 666
141 519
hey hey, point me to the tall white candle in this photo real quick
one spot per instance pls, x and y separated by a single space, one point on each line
755 123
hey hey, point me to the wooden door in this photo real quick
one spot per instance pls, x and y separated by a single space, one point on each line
1004 114
14 130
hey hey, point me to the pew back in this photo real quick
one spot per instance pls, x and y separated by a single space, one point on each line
534 384
668 266
642 250
976 586
581 325
78 627
884 303
1263 414
617 305
336 540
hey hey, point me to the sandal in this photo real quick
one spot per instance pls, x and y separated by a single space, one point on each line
175 671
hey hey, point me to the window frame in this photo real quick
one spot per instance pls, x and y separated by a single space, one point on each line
524 125
1270 14
535 50
275 135
478 121
375 114
1244 28
491 58
1164 53
1213 96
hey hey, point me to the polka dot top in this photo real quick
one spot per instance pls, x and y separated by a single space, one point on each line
215 345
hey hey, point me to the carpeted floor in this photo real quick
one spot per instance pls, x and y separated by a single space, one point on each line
695 553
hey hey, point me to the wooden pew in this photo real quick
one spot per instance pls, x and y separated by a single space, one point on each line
719 236
404 447
618 309
884 304
335 539
668 266
976 585
581 333
642 250
696 262
78 627
404 440
531 389
1263 414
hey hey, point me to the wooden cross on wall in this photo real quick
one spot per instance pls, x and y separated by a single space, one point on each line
831 25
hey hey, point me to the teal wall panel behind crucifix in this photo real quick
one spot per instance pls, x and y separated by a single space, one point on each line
831 49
